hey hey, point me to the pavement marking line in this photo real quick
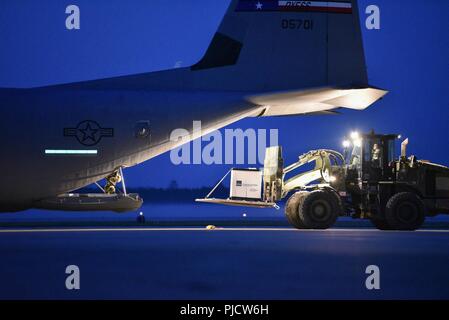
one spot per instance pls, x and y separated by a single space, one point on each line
55 230
138 229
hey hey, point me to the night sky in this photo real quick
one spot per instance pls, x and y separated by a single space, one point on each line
408 56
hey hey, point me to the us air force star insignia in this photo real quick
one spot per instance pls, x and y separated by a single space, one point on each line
88 132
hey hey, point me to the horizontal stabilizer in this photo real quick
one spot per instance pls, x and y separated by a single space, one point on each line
316 101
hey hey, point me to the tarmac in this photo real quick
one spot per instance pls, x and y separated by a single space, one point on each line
223 263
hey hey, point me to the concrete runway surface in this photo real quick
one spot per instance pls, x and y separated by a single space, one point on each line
225 263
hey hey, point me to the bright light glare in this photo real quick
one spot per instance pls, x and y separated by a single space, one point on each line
346 143
354 135
332 179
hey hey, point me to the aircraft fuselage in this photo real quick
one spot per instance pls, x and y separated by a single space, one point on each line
58 140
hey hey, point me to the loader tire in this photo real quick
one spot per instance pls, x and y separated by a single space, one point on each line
291 209
405 211
319 210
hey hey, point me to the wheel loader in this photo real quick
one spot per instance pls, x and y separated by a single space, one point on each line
366 181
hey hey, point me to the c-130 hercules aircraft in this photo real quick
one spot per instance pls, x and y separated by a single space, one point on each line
268 58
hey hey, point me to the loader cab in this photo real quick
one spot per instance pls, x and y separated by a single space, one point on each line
370 157
378 153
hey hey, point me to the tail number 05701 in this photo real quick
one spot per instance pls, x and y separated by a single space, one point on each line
295 24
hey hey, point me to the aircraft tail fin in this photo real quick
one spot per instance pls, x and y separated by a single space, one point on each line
281 45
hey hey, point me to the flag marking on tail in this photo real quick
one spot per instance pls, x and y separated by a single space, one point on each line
294 6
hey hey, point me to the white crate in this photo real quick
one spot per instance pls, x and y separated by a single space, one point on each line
246 184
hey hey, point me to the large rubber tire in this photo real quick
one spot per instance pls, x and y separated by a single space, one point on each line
319 210
291 209
405 211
